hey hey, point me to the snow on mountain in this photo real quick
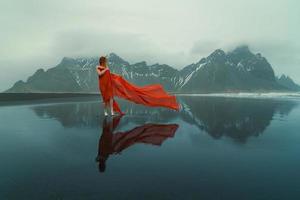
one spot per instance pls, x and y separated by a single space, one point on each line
237 70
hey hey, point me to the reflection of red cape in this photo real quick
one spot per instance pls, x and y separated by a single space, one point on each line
154 134
153 95
111 143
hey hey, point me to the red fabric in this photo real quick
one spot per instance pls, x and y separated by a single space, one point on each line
154 134
106 89
154 95
106 141
112 143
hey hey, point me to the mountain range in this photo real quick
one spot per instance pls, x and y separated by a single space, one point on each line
239 70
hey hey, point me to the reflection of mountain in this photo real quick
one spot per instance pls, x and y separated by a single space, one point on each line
72 114
113 143
88 114
233 117
236 118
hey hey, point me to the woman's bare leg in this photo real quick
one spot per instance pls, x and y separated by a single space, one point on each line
105 109
111 107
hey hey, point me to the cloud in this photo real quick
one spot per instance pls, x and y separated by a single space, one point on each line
282 54
94 42
38 34
204 47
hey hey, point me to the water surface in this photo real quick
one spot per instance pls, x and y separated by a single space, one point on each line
215 148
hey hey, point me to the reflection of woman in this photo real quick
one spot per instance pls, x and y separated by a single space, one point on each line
112 143
106 141
111 85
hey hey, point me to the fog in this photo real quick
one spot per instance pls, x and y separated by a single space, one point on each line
38 34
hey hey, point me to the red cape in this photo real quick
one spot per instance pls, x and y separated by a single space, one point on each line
153 95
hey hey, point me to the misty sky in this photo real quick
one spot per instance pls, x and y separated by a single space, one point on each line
38 34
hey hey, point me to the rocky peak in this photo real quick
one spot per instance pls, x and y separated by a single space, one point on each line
285 77
288 83
67 62
114 58
140 64
217 53
37 73
217 56
239 54
86 59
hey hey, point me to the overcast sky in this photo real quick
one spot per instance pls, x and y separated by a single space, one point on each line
39 33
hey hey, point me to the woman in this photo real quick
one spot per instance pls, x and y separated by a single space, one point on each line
105 85
112 85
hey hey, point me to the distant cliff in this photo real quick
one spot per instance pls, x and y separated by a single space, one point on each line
287 82
238 70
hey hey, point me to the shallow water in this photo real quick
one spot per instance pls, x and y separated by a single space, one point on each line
215 148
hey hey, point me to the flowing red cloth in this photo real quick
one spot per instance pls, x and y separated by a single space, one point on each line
154 134
112 143
154 95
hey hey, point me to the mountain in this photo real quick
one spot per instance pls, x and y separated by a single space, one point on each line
287 82
79 75
237 70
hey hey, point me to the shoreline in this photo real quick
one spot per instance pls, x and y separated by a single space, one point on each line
46 98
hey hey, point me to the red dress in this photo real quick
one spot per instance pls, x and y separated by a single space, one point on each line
154 95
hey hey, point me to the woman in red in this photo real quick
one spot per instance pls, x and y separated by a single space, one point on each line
112 85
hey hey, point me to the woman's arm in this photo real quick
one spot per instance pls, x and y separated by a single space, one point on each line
100 73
